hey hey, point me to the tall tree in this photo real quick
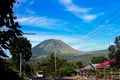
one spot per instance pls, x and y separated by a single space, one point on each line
26 67
115 51
20 46
9 30
63 68
8 27
79 64
7 72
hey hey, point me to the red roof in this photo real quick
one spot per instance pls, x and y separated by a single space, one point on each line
106 63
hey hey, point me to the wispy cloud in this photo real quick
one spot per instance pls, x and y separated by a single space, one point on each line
43 22
87 46
74 8
87 17
29 11
90 46
35 39
31 2
83 13
22 2
104 27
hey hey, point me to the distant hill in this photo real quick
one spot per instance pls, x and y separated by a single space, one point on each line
85 58
46 47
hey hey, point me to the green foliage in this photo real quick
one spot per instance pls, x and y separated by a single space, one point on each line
7 20
63 68
117 57
24 78
26 67
98 59
66 69
115 52
9 30
79 64
7 72
20 46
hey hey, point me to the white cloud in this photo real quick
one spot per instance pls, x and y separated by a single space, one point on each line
82 13
90 46
31 2
44 22
89 18
20 2
29 11
87 46
101 29
35 39
74 8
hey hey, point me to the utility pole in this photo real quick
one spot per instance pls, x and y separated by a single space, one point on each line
55 61
20 64
2 29
21 53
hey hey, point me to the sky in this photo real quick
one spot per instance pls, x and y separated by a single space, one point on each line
85 25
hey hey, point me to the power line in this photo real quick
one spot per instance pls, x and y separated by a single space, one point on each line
95 31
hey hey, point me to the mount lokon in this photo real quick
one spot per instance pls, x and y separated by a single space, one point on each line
53 46
45 48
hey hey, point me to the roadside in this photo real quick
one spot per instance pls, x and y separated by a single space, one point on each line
74 77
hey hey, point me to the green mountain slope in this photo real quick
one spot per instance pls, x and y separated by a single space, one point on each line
45 48
52 46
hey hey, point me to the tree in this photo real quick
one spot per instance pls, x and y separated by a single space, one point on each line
66 69
6 71
20 46
8 27
26 67
115 51
112 49
9 30
98 59
63 68
79 64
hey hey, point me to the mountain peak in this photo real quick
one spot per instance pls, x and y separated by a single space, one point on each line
53 46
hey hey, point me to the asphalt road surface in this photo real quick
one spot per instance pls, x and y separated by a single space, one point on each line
34 78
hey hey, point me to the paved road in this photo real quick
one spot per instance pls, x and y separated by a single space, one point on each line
34 78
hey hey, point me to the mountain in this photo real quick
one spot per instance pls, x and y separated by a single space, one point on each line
46 47
53 46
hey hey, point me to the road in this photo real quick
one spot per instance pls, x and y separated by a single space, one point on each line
34 78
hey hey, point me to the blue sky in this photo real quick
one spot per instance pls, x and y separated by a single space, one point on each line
83 24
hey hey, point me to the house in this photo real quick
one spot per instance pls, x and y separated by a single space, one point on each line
106 63
84 71
88 67
91 66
